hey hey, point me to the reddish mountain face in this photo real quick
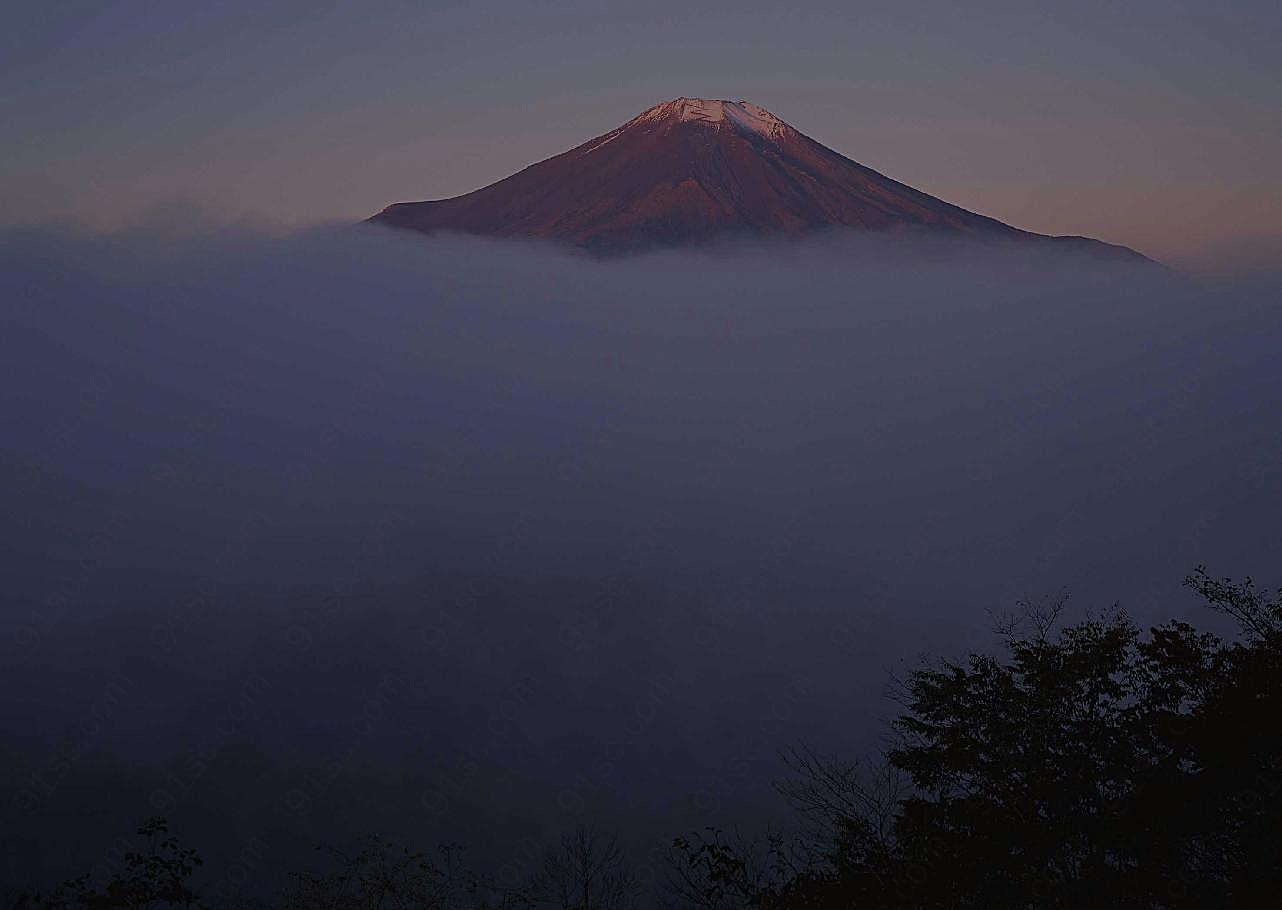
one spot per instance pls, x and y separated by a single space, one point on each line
690 170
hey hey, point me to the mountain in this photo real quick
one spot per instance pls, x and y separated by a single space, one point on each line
691 170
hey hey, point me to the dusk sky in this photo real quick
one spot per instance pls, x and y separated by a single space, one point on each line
1153 124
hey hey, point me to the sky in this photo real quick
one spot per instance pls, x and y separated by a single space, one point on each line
1153 124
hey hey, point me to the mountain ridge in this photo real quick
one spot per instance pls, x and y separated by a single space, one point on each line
691 170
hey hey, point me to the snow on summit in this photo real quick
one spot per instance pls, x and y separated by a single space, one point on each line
744 115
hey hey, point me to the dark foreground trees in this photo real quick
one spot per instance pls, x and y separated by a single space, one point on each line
583 871
1095 765
155 874
378 875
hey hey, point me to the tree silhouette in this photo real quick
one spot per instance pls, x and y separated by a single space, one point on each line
381 876
155 876
714 870
1087 766
584 872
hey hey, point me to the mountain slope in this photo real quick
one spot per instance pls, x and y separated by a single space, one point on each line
690 170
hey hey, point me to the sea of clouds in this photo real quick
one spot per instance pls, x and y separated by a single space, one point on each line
346 530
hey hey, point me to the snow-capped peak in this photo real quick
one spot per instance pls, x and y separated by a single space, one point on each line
743 115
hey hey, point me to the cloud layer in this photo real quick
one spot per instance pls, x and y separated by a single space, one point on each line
347 530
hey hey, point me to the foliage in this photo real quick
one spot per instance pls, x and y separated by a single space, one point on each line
586 872
379 876
1091 766
1088 765
155 876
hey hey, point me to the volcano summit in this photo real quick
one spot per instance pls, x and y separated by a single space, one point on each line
692 170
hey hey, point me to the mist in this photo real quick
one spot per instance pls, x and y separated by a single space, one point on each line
344 530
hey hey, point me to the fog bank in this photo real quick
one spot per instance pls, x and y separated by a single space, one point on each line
348 530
